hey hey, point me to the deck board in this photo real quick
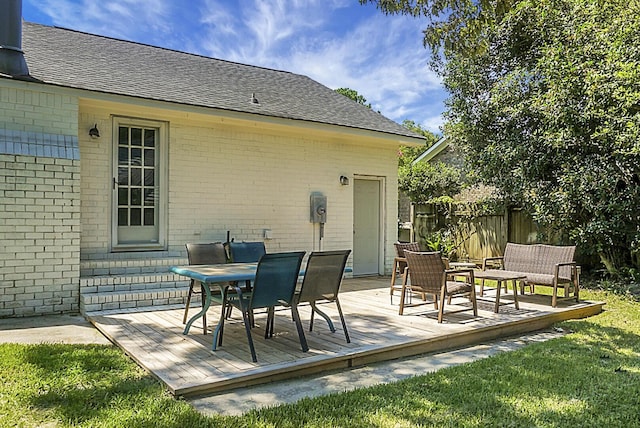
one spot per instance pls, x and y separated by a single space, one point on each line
187 365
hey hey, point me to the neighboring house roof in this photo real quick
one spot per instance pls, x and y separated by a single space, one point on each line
432 151
474 193
74 59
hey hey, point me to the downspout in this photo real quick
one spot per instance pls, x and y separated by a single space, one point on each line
12 62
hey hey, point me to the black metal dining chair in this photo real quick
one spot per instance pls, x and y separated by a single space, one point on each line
246 252
322 279
202 254
274 285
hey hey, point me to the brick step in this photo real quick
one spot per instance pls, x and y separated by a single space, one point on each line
121 282
122 266
139 300
130 282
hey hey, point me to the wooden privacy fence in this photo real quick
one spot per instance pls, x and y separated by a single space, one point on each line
473 237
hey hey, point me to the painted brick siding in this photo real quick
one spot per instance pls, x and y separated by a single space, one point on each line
40 235
34 108
237 180
242 178
39 200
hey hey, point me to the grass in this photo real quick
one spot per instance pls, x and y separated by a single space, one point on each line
588 378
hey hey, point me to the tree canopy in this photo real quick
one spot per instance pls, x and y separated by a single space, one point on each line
424 181
354 95
407 154
547 109
453 25
550 114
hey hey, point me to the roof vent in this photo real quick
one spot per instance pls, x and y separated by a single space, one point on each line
12 60
254 100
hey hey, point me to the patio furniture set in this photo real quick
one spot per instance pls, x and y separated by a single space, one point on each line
530 265
242 275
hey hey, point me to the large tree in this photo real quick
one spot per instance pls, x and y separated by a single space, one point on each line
550 114
424 181
547 108
454 26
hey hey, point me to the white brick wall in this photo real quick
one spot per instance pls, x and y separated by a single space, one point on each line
239 180
240 177
40 232
37 108
39 200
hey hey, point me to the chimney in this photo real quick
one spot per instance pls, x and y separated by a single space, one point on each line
11 56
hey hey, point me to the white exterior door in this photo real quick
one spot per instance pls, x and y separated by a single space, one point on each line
366 227
138 190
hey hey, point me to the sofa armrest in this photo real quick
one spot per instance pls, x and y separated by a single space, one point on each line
557 267
566 264
492 259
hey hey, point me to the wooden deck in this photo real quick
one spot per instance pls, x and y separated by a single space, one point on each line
188 366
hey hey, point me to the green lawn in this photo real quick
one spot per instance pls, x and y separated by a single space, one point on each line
588 378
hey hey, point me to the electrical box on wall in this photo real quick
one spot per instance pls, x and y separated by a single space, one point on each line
318 208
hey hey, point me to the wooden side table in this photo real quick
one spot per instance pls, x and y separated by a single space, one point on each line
501 277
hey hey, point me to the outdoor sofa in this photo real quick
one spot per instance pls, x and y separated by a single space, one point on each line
542 265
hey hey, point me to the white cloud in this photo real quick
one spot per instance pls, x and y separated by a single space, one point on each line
114 18
331 41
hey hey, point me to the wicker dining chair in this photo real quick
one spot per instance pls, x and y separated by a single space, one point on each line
427 274
400 264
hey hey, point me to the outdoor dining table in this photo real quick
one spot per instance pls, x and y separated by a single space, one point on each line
220 275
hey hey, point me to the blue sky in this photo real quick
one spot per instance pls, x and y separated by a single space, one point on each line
339 43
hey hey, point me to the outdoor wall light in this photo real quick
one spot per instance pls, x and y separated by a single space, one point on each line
93 132
344 180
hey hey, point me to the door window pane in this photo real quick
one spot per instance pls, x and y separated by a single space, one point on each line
123 135
123 156
136 197
136 176
136 217
149 197
123 176
136 156
149 137
123 196
149 216
149 178
123 217
149 158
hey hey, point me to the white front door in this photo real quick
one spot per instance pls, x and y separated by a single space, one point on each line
366 227
138 190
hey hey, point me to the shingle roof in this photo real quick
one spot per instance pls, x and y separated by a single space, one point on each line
79 60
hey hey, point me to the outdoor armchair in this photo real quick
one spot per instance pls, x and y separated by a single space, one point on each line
321 283
274 285
426 273
400 264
